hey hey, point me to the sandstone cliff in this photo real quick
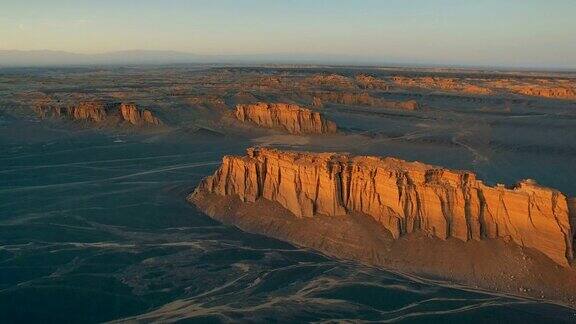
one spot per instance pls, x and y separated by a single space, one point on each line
291 118
403 197
135 116
100 111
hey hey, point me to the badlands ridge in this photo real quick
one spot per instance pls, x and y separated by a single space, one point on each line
405 216
401 196
100 111
287 117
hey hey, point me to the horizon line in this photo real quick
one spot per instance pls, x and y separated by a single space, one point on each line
267 58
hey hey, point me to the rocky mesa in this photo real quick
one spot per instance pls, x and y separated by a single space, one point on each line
100 111
403 197
287 117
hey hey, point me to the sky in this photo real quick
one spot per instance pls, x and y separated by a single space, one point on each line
528 33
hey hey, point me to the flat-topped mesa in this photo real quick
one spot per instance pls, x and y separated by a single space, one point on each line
290 118
100 111
95 111
403 196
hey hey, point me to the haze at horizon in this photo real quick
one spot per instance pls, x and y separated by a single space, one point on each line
511 33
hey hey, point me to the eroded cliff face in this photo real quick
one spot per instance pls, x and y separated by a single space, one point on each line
290 118
402 196
135 116
100 111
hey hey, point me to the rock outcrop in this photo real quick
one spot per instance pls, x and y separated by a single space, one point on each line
100 111
135 116
547 91
403 197
361 99
290 118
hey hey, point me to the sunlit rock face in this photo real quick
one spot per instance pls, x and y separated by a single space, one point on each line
100 111
135 116
290 118
402 196
559 92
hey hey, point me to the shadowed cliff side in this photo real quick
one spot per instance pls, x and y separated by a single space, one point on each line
403 197
290 118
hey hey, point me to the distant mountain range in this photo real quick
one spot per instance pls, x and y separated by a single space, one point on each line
11 58
52 58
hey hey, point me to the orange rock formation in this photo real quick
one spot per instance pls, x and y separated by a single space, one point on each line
135 116
99 111
402 196
547 91
291 118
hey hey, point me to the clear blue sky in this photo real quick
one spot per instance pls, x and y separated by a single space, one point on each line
500 32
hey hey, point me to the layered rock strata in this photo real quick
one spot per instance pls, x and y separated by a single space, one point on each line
290 118
403 197
99 111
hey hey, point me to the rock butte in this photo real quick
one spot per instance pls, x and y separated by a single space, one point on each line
99 111
291 118
402 196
